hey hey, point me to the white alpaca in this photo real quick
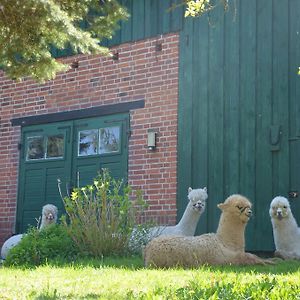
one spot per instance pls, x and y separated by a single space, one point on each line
49 216
227 246
189 220
186 226
285 229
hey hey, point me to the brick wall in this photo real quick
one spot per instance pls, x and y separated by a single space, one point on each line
144 70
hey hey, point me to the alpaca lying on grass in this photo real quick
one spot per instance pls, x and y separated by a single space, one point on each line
285 229
186 226
227 246
49 216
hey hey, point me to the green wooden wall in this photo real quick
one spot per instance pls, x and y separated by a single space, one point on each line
148 18
239 109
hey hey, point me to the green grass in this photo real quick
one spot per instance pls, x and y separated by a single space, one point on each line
126 278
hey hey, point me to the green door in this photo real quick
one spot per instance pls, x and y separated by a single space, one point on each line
45 156
72 152
99 143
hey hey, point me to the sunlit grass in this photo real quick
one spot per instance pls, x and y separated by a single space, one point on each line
126 278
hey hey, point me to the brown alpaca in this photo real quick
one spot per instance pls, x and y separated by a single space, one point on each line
226 246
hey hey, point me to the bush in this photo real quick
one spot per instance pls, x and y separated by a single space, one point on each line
38 247
101 216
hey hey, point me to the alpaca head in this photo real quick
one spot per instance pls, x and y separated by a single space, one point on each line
197 198
49 215
237 207
280 208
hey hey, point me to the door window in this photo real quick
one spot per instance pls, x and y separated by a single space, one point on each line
45 147
88 142
55 146
35 148
99 141
109 140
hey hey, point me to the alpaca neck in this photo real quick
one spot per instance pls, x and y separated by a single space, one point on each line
189 220
285 227
231 232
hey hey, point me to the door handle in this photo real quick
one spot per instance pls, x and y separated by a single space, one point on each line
275 133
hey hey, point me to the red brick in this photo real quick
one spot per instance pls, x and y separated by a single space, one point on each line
140 73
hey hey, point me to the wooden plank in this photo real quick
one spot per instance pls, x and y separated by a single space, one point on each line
166 16
184 177
163 21
263 239
151 10
247 96
294 64
200 111
215 115
281 94
231 100
248 105
138 17
176 17
126 26
294 103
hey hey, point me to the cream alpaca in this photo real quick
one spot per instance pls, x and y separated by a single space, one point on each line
49 216
227 246
285 229
186 226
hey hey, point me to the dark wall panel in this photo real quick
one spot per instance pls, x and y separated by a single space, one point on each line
239 97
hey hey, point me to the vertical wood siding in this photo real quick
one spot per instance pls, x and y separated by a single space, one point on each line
238 86
148 18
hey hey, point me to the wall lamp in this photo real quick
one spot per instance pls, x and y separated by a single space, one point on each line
151 144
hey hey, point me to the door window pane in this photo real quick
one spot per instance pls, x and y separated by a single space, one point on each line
88 142
35 148
55 146
109 140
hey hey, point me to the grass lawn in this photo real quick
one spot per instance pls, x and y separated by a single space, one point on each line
126 278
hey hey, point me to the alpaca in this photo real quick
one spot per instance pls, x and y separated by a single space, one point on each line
285 229
189 220
49 216
226 246
186 226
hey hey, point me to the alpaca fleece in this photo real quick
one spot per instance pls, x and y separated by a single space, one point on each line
49 215
226 246
285 229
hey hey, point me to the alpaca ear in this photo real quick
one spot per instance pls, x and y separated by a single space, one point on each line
189 189
205 189
222 206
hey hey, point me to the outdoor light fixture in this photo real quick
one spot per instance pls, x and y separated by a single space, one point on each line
151 140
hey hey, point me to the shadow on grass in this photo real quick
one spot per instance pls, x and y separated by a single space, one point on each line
136 263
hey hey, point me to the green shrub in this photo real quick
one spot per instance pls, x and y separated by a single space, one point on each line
38 247
101 216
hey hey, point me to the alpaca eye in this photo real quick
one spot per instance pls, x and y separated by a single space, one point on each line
241 208
284 206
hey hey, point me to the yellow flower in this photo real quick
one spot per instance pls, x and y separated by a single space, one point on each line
74 195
